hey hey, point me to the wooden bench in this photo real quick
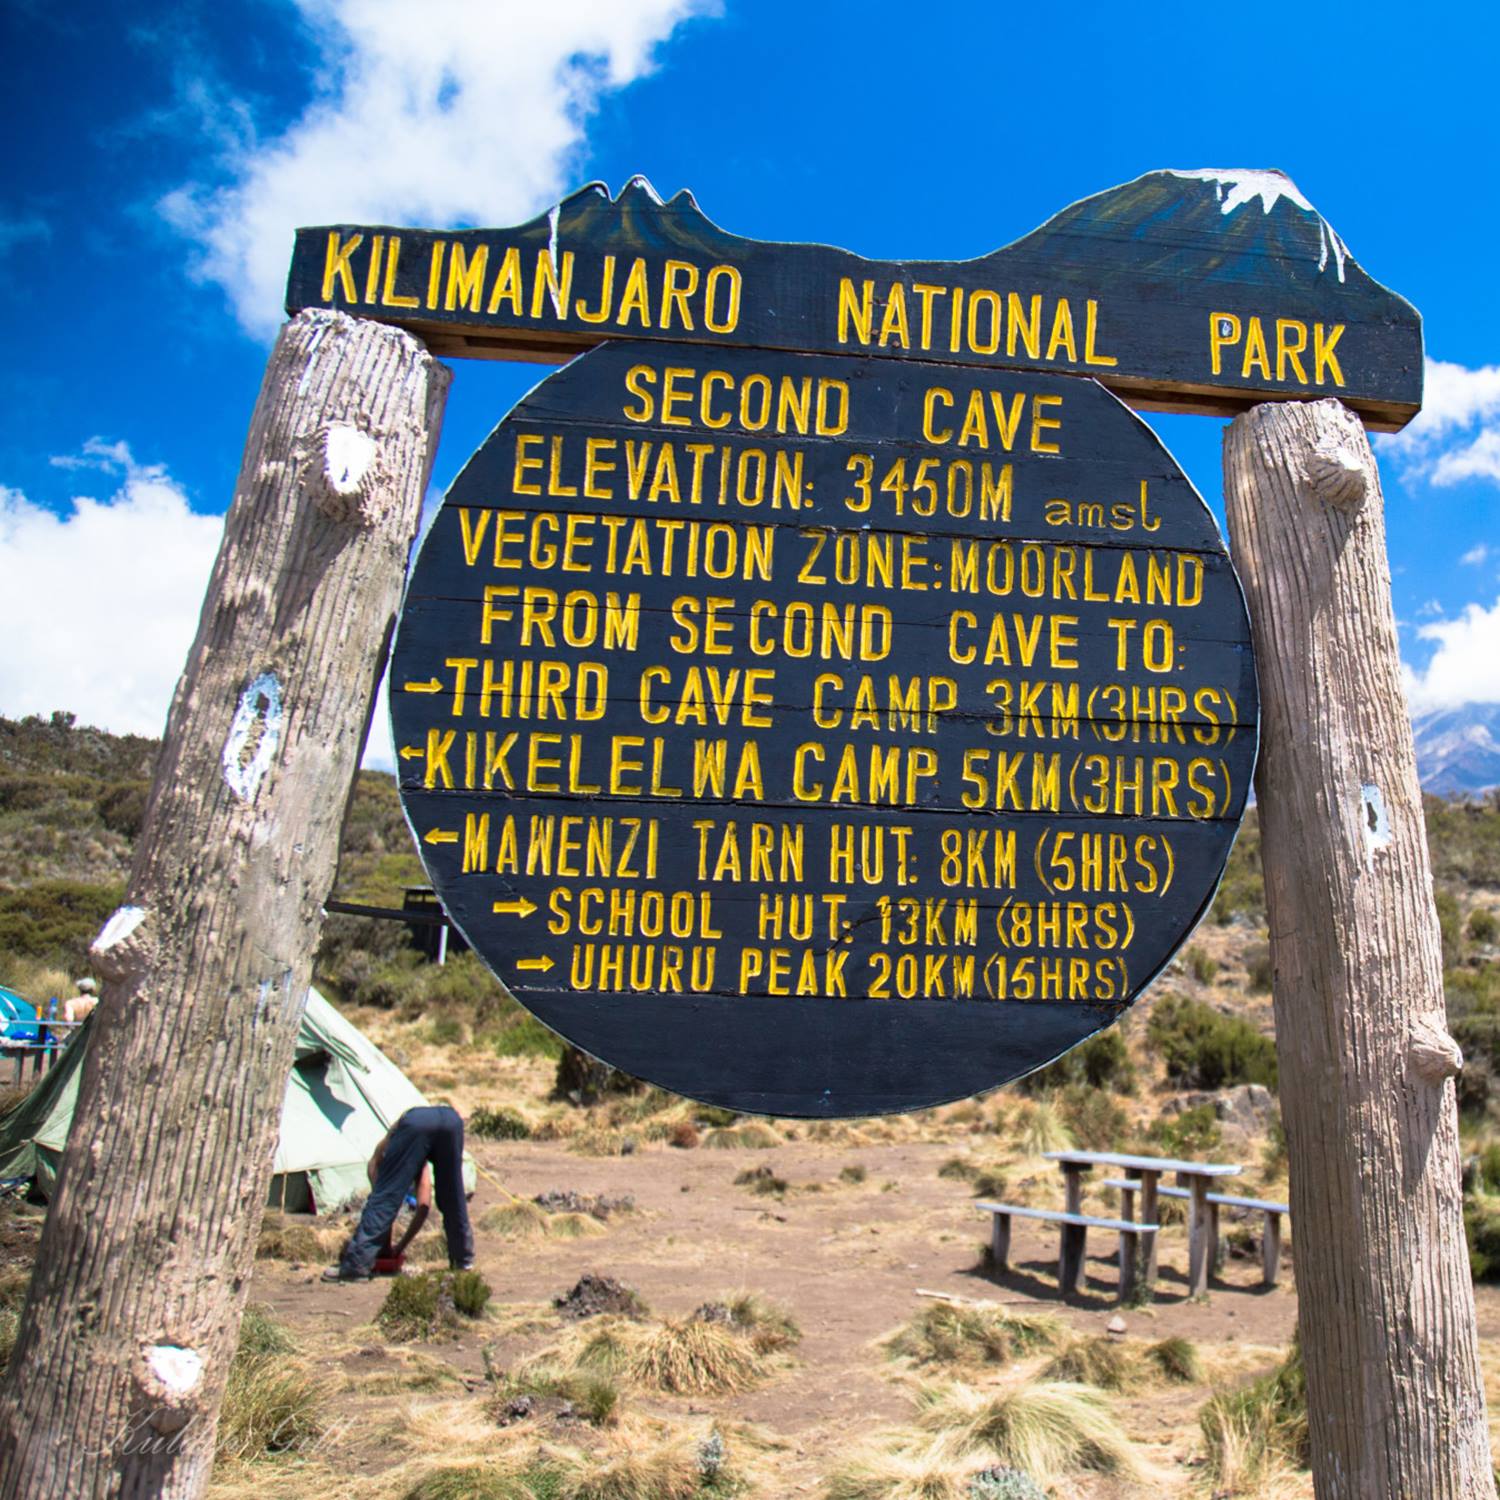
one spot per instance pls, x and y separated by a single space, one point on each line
1075 1228
1270 1245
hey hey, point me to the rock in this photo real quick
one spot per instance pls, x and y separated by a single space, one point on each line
593 1295
1115 1328
1249 1107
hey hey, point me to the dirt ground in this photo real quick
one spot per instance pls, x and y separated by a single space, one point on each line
851 1260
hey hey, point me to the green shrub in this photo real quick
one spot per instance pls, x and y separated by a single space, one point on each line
498 1125
55 920
445 1031
1001 1483
1206 1050
10 1324
1274 1159
470 1293
1242 891
525 1036
421 1307
1482 1230
1203 968
122 807
1264 1420
853 1174
1189 1136
1450 925
1101 1062
1483 926
1097 1123
1258 969
1489 1167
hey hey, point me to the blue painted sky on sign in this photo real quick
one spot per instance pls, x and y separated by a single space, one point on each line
161 156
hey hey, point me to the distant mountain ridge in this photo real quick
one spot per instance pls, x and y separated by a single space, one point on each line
1458 749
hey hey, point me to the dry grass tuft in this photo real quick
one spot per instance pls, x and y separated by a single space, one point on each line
1177 1360
515 1221
1257 1435
573 1226
1043 1128
694 1358
769 1325
903 1467
957 1334
750 1136
1046 1428
725 1347
664 1469
1099 1361
273 1402
282 1238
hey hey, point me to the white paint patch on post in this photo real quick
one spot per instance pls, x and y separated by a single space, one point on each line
1373 821
121 924
178 1369
348 454
254 737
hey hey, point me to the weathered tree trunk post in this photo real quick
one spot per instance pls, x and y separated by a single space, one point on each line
125 1344
1386 1305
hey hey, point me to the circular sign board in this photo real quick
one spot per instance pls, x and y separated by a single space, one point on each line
822 736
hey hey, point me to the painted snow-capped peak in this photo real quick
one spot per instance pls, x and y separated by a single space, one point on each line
1238 186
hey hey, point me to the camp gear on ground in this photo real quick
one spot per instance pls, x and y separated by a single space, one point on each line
341 1098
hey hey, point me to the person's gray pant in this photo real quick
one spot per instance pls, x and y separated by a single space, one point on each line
430 1133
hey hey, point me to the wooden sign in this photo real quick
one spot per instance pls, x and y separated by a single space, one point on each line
822 735
1204 291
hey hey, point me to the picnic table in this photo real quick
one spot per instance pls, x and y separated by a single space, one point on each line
1196 1176
52 1037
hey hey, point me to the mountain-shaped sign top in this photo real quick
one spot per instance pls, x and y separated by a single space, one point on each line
1202 290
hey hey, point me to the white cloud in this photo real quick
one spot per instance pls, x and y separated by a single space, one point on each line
1475 556
17 228
1464 667
102 603
436 114
1456 436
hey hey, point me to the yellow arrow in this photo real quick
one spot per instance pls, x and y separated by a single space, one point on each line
434 686
521 908
441 836
411 752
534 963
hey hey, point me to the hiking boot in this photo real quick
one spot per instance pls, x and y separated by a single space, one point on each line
340 1273
466 1264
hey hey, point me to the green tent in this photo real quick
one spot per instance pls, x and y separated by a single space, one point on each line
342 1097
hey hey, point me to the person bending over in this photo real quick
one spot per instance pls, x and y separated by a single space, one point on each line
431 1134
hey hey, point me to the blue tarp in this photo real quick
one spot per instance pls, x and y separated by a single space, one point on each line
15 1014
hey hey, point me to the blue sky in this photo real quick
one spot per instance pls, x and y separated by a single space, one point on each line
160 157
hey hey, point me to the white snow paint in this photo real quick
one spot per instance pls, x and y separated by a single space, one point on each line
177 1368
253 737
1238 186
121 924
348 454
640 182
1373 821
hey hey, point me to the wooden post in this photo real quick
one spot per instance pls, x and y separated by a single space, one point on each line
1000 1242
1270 1250
124 1347
1386 1307
1129 1249
1150 1209
1198 1252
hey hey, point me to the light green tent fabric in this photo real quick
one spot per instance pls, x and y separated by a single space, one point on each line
341 1098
